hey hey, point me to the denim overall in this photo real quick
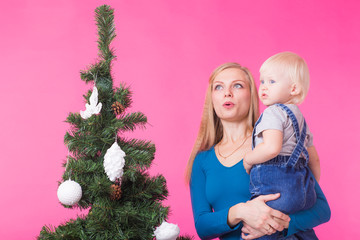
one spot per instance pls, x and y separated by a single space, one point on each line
287 175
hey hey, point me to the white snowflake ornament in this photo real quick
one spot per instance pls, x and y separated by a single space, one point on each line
94 107
114 162
69 192
167 231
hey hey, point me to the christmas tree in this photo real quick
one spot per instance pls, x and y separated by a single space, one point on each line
106 172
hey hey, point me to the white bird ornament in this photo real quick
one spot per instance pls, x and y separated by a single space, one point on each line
94 107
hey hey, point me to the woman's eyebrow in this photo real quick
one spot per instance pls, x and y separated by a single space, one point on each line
236 80
239 80
217 81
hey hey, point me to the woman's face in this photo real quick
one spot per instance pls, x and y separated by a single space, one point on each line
231 95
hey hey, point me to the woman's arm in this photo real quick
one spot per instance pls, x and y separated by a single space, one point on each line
314 162
304 220
208 224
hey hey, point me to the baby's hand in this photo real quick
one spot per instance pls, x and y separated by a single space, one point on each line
247 166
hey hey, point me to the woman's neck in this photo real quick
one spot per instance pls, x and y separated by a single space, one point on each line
234 144
233 132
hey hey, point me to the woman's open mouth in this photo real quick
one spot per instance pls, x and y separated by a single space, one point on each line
228 105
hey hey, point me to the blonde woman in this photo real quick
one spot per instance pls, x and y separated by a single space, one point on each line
219 184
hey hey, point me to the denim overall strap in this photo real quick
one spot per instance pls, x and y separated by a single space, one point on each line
299 148
253 133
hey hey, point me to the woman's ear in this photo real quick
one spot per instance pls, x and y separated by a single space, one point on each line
295 89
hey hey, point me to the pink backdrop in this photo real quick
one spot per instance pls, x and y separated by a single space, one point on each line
166 51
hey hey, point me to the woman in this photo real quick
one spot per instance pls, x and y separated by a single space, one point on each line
219 184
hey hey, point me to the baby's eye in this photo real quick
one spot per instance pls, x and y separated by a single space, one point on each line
218 87
272 81
261 81
238 85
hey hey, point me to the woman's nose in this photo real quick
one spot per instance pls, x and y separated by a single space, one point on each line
228 93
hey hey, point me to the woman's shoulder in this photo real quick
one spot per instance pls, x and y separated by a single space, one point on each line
204 154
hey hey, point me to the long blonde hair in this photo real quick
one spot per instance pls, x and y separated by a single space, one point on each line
211 130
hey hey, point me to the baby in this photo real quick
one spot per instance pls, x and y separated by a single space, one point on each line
282 143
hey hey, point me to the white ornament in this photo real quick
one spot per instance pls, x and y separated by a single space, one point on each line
93 107
167 231
114 162
69 192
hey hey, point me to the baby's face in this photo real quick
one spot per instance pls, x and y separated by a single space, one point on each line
275 87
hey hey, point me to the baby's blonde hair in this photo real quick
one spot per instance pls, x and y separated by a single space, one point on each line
294 67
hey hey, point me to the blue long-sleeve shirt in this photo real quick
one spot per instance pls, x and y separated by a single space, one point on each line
215 188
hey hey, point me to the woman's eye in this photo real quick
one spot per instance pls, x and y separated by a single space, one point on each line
238 85
218 87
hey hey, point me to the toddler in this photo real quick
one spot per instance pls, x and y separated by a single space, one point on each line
283 147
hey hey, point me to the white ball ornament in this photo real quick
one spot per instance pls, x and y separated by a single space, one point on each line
114 162
167 231
69 192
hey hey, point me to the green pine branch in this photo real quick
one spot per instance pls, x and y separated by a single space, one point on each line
123 95
140 153
130 121
104 16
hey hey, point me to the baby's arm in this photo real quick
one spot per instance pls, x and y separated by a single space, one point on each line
266 150
314 162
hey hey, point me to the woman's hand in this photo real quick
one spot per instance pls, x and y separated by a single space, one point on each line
256 214
263 218
252 233
248 232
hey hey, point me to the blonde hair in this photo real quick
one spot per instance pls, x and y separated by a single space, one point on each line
211 130
296 69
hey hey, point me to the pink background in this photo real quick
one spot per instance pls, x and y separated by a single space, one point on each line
166 51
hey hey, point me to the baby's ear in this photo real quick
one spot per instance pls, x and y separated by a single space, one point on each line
295 89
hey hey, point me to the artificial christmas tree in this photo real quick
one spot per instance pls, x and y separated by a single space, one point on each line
124 202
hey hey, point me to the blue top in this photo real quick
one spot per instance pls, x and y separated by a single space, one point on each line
215 188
